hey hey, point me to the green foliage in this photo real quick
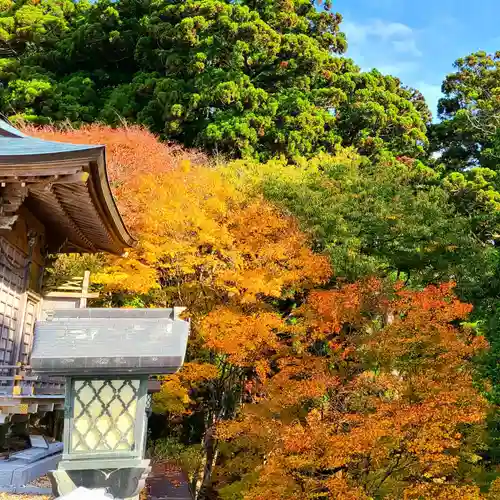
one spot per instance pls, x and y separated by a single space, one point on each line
28 25
469 113
467 141
384 218
250 79
63 268
476 196
169 448
468 145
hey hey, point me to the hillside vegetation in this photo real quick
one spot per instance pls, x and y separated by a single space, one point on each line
336 252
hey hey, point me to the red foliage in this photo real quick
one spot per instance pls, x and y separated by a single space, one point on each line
406 160
392 404
131 152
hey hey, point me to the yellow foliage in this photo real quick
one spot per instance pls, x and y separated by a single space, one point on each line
196 372
494 491
248 175
127 274
172 398
174 393
200 233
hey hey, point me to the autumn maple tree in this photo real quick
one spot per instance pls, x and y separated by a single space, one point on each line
369 394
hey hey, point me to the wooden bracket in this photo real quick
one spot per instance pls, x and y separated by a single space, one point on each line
12 197
14 190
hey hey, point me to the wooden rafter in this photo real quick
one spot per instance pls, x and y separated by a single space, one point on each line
66 186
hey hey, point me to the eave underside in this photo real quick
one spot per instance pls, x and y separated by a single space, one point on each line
68 196
71 221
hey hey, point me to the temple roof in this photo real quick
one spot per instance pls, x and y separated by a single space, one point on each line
66 187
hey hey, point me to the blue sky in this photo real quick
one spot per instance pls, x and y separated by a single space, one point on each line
418 40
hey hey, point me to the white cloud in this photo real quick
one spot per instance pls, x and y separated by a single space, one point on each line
406 47
392 47
397 68
395 48
388 31
378 29
356 33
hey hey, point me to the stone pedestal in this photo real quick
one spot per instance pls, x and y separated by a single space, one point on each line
120 482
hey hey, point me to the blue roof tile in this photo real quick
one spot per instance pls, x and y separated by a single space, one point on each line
15 143
30 146
7 130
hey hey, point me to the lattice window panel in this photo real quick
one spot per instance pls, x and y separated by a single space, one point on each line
104 415
11 289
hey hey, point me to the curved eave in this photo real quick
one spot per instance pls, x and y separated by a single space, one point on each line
99 184
28 152
29 159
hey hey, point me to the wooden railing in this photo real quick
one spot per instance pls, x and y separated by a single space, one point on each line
17 380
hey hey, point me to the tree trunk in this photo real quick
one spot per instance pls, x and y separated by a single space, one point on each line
211 452
198 478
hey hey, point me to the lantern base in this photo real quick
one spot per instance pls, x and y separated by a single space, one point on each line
124 482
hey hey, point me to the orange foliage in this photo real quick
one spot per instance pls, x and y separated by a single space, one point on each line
206 244
407 426
443 492
131 152
299 378
359 391
197 231
245 338
274 254
327 311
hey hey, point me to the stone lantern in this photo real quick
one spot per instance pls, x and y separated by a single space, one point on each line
106 356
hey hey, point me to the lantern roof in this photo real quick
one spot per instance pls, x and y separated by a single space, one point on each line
108 341
66 187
